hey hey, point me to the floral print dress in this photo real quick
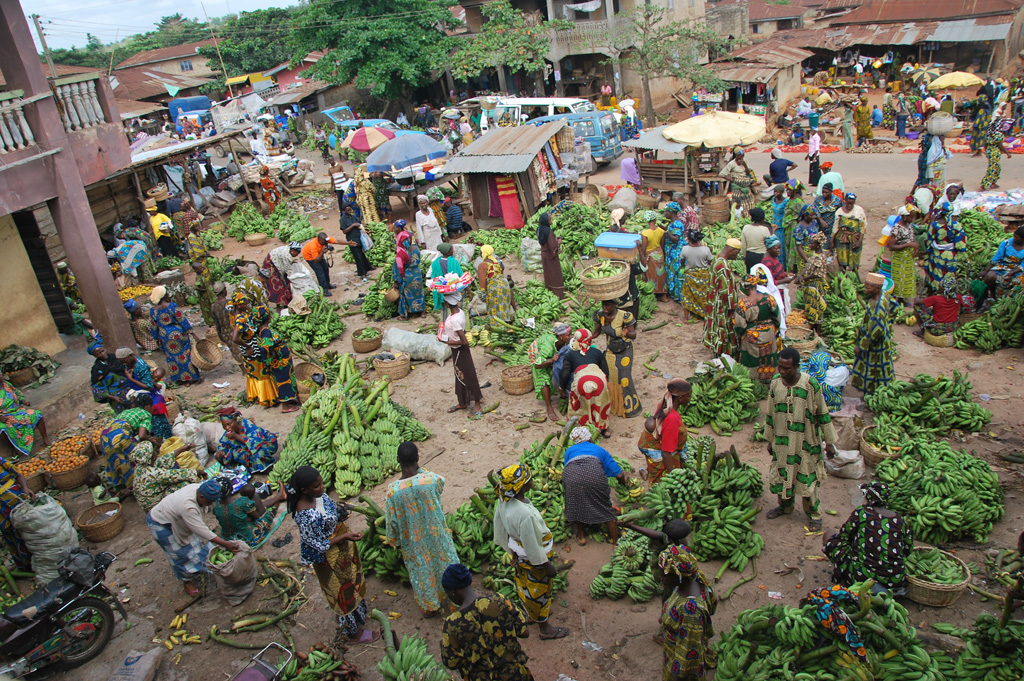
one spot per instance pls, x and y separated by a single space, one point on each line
871 546
481 641
687 628
171 330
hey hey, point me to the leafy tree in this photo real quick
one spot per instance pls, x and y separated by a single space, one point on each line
509 38
94 54
251 41
653 48
387 46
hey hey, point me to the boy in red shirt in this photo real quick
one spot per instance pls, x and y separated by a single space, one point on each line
939 314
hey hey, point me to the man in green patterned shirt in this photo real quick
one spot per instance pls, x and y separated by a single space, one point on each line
797 425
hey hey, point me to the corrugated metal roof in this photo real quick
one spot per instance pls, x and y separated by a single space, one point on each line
130 108
744 73
298 93
505 150
653 140
969 30
770 52
896 11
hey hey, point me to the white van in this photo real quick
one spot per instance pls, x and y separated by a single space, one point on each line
510 111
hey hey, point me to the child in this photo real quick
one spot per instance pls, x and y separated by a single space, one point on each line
100 493
161 426
674 533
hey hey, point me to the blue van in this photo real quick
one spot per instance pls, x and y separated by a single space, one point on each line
599 128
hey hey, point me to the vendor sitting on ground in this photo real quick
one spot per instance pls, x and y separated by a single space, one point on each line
244 443
107 378
1005 275
873 542
587 492
940 313
243 516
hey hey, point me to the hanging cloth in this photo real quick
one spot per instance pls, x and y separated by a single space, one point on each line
509 201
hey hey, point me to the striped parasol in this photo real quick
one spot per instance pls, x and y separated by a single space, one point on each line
925 73
366 140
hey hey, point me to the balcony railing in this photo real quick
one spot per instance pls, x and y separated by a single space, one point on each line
584 34
78 102
15 133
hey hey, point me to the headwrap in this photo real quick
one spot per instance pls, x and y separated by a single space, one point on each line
294 246
680 562
874 278
943 208
421 197
876 493
949 287
62 265
157 294
739 151
766 284
444 248
617 215
673 207
123 353
816 238
117 438
749 281
581 341
826 166
650 215
486 251
435 194
807 211
772 241
130 305
400 223
580 434
734 243
795 184
229 413
850 196
212 490
264 170
456 576
779 189
776 153
95 345
452 298
512 479
560 327
239 298
544 227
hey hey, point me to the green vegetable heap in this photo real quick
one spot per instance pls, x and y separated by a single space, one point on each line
17 357
628 573
932 565
928 405
724 398
220 555
604 269
994 651
368 333
322 325
411 661
246 219
383 252
213 239
1002 326
843 315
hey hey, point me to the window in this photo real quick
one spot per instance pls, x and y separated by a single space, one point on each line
583 129
608 124
185 64
755 28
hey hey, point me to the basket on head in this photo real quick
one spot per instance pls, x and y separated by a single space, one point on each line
940 122
937 595
206 355
608 288
873 455
96 526
157 192
394 369
946 340
71 479
517 380
364 346
22 377
257 239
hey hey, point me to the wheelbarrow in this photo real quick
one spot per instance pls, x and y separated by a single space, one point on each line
259 669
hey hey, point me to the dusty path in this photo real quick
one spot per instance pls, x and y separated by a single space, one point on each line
473 448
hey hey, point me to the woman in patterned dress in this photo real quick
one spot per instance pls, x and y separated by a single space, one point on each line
494 286
620 327
260 388
903 249
825 205
873 543
653 254
813 280
17 420
273 352
946 240
758 319
686 617
156 474
171 330
585 376
13 490
794 208
779 203
848 236
1005 274
980 123
117 441
244 443
696 277
675 239
585 479
245 518
405 272
719 328
807 226
994 149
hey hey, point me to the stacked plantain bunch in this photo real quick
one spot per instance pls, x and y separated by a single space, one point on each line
723 398
377 556
929 405
785 642
322 325
290 225
534 301
376 306
628 573
994 651
946 494
350 432
843 314
410 661
1002 326
383 251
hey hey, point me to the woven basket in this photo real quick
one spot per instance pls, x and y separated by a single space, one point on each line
72 478
101 530
157 192
22 377
172 409
647 201
257 239
394 368
303 390
364 346
206 355
966 317
304 371
392 295
715 209
608 288
872 455
937 595
801 346
517 380
946 340
37 481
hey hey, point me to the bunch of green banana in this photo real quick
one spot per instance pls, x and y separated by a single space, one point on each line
648 302
628 573
934 566
604 269
411 661
887 436
994 651
928 405
1002 326
728 534
322 325
984 234
376 556
318 664
722 397
946 494
383 252
844 312
1004 566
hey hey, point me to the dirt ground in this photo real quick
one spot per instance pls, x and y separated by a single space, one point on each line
469 449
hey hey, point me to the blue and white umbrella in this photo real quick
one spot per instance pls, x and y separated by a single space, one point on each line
403 152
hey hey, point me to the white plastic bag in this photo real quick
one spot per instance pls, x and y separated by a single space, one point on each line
212 433
847 463
463 252
417 345
190 431
47 530
532 255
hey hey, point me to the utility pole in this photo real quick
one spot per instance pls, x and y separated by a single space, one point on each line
217 47
46 50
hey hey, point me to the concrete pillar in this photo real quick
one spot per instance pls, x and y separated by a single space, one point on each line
70 210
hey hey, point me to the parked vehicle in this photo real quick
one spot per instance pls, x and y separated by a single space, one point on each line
181 105
64 625
597 127
509 111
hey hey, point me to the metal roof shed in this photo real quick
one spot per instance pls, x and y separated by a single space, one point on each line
505 150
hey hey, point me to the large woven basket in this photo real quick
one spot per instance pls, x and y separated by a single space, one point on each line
98 527
206 355
257 239
37 481
946 340
392 295
801 346
872 455
715 209
304 371
364 346
937 595
72 478
966 317
608 288
173 409
393 368
157 192
22 377
646 201
517 380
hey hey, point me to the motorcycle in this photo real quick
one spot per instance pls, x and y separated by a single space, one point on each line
64 624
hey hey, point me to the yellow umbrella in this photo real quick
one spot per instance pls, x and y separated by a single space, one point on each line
717 129
955 80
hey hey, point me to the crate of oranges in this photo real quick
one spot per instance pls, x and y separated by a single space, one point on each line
33 472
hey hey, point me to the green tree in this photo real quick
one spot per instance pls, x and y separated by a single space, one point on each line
655 48
251 41
509 38
94 54
387 46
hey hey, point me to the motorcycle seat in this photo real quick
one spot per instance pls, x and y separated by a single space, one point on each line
43 601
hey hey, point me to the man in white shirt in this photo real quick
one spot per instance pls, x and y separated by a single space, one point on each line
256 145
814 156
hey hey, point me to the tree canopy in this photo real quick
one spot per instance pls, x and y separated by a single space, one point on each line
387 46
170 31
251 41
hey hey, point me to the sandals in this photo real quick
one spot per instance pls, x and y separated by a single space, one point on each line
368 636
560 632
814 525
457 407
778 511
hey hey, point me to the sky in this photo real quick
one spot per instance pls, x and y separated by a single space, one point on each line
66 22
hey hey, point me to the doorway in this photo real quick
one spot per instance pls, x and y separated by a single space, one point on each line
46 275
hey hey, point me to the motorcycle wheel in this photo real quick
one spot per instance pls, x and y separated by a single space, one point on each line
94 611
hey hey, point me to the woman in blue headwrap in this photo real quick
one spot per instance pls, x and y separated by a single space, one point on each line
779 203
107 378
406 274
177 526
946 241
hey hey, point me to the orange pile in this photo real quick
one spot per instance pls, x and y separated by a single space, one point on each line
31 467
66 463
69 447
96 434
